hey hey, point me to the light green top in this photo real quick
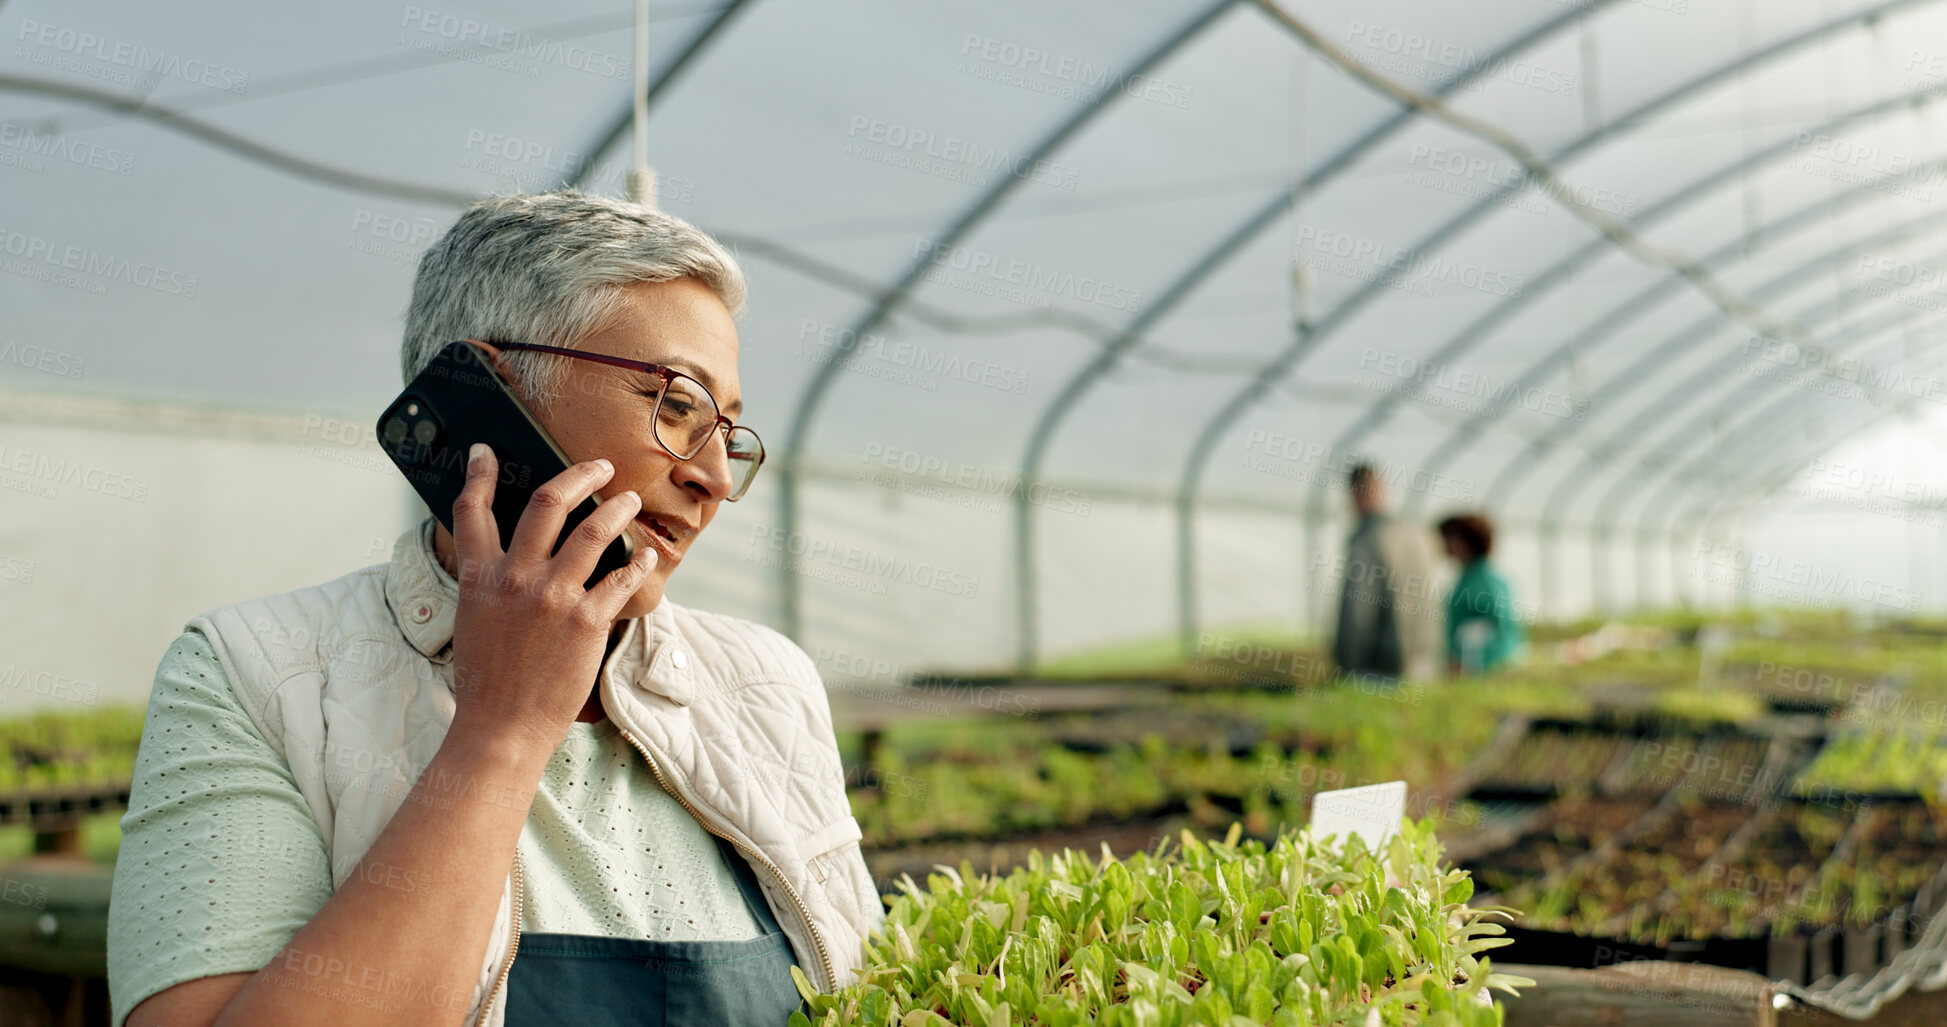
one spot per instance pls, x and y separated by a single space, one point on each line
221 862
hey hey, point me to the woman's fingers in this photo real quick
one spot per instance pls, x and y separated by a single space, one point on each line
612 592
476 535
583 548
547 510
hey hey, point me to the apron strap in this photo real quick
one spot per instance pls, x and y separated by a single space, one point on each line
760 908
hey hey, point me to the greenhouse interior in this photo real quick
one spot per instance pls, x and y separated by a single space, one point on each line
1538 617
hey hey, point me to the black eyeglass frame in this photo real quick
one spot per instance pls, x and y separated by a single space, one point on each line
724 424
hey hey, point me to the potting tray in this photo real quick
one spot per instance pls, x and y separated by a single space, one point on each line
1824 898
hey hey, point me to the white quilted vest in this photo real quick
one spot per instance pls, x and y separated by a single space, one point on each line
352 682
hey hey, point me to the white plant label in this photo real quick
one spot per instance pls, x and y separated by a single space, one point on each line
1372 812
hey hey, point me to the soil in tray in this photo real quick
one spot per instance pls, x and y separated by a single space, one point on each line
1740 898
1568 829
1721 765
1635 876
1553 760
1901 850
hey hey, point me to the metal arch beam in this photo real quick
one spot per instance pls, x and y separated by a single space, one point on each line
1712 471
1575 147
1868 335
1700 379
667 77
1769 483
1640 425
1645 300
1706 506
1309 336
1698 472
1758 428
1682 439
1638 370
1186 284
1798 460
1716 466
1637 373
887 301
1565 270
1588 468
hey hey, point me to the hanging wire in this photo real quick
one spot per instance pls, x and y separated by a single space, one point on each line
642 178
1624 238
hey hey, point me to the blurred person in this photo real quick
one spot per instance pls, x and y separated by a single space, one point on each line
357 802
1388 624
1483 631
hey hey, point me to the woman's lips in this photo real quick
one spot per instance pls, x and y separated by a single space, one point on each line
664 549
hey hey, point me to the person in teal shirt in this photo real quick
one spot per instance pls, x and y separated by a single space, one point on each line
1483 631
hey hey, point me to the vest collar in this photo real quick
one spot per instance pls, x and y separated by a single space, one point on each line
424 598
422 595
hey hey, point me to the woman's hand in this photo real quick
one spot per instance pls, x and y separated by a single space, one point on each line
528 639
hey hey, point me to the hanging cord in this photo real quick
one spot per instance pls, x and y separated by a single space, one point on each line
642 178
1301 272
1550 182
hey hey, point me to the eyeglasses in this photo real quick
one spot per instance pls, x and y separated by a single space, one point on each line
685 416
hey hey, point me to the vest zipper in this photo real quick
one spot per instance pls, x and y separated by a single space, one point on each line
513 946
804 912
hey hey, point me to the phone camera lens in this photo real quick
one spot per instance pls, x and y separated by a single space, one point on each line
395 431
425 432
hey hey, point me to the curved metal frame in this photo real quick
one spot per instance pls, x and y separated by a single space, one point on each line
1670 286
1635 429
1712 466
890 299
1719 490
1633 118
1172 295
1306 340
1637 373
1638 427
1725 454
1706 507
1569 267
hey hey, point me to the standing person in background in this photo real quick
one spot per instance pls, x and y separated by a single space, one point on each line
1482 629
1388 624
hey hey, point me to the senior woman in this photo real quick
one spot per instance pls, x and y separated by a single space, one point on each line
358 803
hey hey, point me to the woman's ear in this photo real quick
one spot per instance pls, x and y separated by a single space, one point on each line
499 362
492 353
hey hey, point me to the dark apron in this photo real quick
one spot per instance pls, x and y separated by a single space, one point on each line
591 981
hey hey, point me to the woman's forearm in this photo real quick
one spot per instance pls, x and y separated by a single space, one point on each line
402 940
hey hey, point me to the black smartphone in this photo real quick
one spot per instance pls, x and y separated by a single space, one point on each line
458 400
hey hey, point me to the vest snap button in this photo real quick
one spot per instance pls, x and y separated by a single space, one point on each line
679 659
423 614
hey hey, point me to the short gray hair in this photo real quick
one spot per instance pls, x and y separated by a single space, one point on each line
549 268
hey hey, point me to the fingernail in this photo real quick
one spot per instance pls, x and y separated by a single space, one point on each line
473 452
632 495
606 466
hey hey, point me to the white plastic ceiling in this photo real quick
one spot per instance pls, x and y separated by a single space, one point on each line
1064 236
